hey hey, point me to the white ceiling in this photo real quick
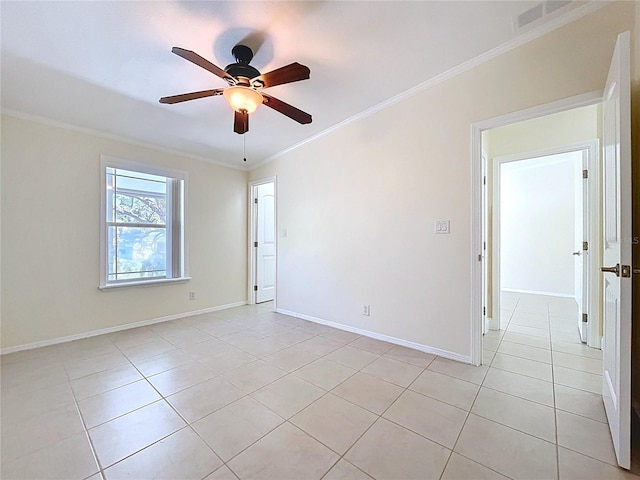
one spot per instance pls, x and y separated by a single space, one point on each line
103 65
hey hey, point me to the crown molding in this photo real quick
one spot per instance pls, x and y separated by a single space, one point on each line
117 138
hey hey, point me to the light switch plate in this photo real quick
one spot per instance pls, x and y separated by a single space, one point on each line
442 227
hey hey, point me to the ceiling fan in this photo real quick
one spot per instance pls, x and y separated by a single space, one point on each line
246 83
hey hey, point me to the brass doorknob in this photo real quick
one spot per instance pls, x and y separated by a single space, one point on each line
615 269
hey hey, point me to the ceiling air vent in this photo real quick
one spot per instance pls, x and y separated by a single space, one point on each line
529 16
539 11
553 5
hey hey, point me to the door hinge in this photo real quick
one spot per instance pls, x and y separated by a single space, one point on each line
255 288
585 318
585 173
585 246
484 180
479 257
484 310
255 244
484 245
255 200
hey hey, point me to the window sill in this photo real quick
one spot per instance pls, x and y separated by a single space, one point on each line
144 283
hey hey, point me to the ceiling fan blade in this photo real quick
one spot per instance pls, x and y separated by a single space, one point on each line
241 122
203 62
286 109
191 96
290 73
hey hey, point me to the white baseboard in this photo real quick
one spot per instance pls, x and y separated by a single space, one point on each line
536 292
492 324
119 328
379 336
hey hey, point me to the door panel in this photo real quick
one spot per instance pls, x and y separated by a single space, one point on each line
582 257
266 238
616 386
486 307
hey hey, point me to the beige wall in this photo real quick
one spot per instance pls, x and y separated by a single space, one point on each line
552 131
359 204
51 227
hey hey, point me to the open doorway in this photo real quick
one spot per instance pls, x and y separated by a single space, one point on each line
262 242
541 192
544 234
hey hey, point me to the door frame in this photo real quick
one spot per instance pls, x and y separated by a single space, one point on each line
252 236
591 268
477 283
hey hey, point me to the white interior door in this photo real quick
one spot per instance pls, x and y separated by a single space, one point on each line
581 254
485 242
616 345
266 243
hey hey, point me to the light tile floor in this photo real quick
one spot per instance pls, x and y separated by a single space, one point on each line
251 394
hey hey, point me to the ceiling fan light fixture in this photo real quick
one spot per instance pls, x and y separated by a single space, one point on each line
245 82
243 99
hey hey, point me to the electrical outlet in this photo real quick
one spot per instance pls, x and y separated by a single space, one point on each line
366 310
192 295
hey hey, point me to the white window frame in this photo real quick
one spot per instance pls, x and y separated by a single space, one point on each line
112 162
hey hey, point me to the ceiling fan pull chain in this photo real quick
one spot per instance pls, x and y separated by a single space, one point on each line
244 147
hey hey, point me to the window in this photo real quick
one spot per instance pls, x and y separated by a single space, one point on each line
142 238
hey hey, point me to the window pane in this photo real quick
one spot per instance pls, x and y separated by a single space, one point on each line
140 207
139 197
110 199
111 252
138 252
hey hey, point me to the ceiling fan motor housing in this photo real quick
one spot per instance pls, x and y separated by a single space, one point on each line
241 68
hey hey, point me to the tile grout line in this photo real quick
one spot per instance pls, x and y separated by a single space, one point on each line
465 422
482 386
84 426
555 410
379 416
287 420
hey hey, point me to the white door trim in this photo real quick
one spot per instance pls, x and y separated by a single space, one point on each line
593 259
477 286
251 229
